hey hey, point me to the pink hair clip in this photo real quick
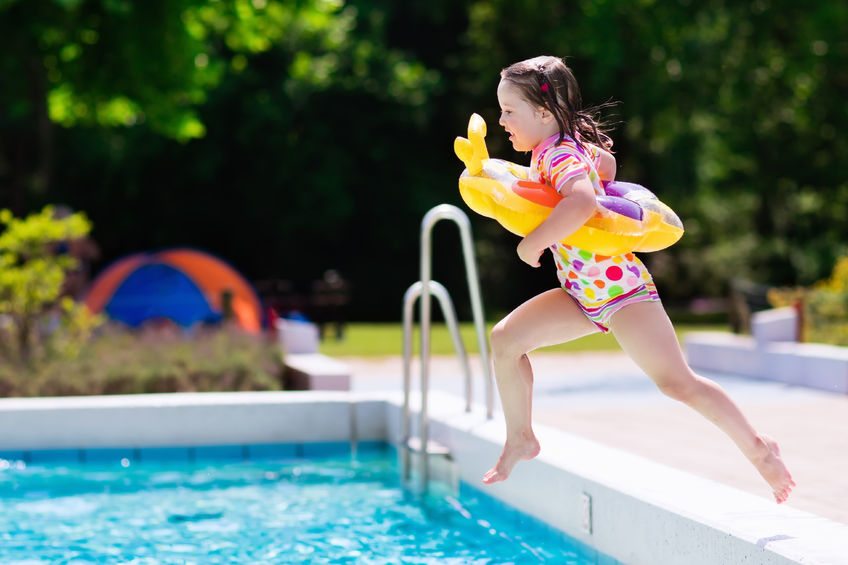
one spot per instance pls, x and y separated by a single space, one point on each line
545 87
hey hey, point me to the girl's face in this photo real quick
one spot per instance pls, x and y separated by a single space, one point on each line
527 125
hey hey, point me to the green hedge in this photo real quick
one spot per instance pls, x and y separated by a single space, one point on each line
164 360
824 306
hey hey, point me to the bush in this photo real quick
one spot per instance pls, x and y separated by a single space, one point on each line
824 306
153 360
36 321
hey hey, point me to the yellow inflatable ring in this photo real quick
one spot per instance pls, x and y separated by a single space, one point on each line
629 217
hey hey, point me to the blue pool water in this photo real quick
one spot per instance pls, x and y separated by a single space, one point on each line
332 510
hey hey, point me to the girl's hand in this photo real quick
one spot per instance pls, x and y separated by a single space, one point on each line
529 254
577 205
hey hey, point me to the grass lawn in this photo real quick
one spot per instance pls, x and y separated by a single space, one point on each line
364 340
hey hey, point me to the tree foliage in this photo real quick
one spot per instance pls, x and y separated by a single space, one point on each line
295 136
35 321
729 111
822 306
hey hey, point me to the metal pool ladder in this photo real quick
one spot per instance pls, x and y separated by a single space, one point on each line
424 289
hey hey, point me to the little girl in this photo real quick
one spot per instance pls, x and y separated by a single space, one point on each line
541 111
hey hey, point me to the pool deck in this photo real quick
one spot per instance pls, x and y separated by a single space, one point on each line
601 478
607 399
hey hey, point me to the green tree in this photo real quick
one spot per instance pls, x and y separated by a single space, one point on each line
729 111
295 136
34 319
108 63
316 122
91 63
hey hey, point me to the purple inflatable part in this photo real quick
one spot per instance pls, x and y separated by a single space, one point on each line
616 188
621 206
619 188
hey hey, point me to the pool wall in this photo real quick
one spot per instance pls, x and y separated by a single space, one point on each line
186 419
641 512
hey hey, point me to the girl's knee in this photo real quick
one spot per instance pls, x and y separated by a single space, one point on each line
683 389
499 336
503 343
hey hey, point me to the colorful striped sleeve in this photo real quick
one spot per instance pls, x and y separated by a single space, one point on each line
595 154
560 165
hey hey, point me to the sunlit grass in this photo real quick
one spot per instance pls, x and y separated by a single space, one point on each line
372 340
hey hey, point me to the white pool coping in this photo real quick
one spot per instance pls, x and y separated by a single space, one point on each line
643 513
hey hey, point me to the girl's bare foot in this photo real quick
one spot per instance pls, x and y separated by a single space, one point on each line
513 452
774 471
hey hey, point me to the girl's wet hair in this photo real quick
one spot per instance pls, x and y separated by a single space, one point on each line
548 82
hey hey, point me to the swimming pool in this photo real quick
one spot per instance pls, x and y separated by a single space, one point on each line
640 513
334 509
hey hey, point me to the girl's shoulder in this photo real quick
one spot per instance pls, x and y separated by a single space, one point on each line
583 148
569 148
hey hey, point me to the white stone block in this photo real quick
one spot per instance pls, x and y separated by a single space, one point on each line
777 324
782 363
296 336
825 367
814 365
314 371
724 353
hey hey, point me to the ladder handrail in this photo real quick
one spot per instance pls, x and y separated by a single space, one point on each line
450 212
412 294
431 218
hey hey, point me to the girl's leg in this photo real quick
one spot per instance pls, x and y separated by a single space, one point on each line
645 333
547 319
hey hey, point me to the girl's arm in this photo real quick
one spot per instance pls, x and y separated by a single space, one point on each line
576 206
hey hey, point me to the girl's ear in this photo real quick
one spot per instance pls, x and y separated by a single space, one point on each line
545 115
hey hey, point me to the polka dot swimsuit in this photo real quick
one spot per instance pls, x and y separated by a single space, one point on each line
601 285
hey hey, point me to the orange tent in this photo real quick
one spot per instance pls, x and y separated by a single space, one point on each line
185 285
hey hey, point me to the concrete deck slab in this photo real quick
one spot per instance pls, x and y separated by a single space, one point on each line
606 398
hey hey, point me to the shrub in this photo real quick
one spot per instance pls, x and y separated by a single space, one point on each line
824 306
36 322
153 360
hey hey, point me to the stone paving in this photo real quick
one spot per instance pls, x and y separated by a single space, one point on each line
606 398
